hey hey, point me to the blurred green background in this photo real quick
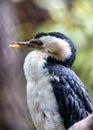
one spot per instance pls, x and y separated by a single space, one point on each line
20 20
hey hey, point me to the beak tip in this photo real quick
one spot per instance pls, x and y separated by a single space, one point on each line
14 44
11 45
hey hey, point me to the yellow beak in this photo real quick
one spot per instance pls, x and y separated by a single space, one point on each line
19 44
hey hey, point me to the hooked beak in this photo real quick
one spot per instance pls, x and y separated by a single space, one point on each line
33 43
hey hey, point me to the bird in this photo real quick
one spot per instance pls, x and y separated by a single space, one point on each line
56 97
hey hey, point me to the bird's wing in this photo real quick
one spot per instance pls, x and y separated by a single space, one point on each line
71 95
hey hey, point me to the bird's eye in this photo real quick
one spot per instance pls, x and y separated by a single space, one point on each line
39 43
36 42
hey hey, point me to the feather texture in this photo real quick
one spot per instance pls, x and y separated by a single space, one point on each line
71 95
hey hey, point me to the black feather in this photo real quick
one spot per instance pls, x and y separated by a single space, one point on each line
71 95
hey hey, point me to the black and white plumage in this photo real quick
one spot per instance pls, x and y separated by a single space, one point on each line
56 97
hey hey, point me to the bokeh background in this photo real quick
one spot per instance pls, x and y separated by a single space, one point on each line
20 20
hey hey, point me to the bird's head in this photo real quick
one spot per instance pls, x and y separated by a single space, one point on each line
58 47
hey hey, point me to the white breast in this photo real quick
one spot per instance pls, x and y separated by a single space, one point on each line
40 97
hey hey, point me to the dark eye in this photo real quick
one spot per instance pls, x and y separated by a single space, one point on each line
39 43
36 42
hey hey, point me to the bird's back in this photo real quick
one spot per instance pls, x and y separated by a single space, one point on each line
71 95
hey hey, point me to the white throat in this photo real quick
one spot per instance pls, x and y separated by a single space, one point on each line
33 65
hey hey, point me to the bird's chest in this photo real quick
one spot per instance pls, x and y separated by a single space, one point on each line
43 106
38 93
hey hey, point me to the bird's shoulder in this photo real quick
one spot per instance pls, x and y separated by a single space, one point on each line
66 76
70 82
71 94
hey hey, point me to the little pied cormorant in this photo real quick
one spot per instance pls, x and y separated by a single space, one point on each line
56 97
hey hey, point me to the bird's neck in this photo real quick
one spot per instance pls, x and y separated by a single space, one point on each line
34 66
52 60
